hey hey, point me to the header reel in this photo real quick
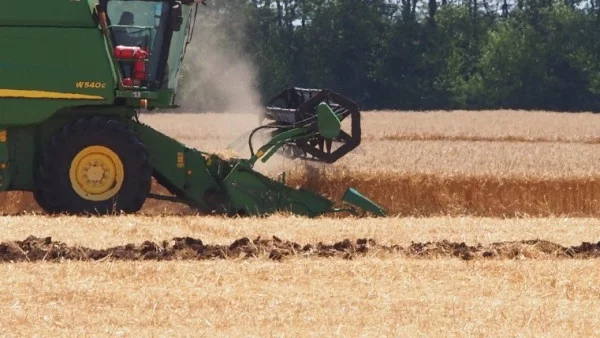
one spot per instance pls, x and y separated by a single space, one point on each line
305 124
320 114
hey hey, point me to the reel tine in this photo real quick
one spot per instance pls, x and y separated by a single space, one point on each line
328 144
343 136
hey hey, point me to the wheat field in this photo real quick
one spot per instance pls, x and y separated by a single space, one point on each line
490 163
492 232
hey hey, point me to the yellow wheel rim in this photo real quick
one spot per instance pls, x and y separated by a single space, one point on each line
96 173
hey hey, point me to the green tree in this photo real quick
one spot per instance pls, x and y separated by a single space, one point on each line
539 59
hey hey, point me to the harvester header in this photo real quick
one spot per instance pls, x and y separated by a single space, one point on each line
316 110
69 128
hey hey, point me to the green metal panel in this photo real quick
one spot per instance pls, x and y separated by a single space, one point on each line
182 170
163 153
43 69
66 13
355 198
161 98
255 194
329 124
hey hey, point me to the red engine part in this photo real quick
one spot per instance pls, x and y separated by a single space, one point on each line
130 53
138 57
140 71
127 82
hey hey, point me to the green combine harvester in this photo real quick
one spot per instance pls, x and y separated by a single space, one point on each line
74 76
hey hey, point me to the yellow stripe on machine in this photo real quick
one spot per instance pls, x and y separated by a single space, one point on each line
39 94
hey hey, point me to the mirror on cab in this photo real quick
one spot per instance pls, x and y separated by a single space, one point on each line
176 17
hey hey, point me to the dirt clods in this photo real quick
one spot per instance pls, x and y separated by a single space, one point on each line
186 248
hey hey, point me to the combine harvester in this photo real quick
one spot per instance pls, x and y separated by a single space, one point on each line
74 75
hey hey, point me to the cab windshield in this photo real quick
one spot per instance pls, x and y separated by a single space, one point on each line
141 24
178 46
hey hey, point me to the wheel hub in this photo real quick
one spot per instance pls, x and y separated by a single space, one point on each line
96 173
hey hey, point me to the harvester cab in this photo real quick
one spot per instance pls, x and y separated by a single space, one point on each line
69 131
148 39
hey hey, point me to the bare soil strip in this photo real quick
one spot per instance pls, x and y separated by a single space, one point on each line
35 249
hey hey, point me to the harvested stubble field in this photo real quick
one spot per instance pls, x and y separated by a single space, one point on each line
453 273
377 283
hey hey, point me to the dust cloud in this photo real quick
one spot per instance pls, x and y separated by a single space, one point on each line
217 75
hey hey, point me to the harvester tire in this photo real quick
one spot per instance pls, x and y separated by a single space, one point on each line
119 179
41 201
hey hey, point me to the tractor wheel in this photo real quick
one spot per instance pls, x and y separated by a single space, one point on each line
42 202
93 166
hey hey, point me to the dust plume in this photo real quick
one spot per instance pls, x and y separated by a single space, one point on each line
217 75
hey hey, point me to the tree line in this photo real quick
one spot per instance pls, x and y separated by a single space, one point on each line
424 54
